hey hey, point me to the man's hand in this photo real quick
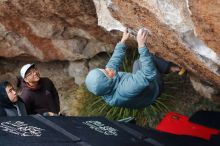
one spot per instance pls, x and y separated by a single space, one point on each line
141 37
125 36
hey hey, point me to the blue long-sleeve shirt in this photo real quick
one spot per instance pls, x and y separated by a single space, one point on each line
134 90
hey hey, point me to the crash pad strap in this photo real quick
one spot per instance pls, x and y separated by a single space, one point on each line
59 129
138 135
153 142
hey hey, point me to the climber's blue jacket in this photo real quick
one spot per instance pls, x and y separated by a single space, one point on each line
132 90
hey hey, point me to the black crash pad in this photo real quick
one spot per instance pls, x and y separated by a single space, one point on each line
84 131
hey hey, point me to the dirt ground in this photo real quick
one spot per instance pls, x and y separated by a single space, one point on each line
186 100
183 99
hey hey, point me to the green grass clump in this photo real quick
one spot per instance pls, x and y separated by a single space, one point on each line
95 106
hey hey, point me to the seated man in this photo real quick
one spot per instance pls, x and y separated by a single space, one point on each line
10 103
132 90
39 94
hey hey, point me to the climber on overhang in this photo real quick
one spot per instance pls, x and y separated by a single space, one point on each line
133 90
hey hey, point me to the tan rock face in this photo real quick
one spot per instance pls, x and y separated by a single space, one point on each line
206 18
50 30
178 31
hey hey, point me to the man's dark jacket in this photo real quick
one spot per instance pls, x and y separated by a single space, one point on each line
43 99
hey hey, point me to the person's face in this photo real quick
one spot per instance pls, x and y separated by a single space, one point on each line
12 94
109 72
32 75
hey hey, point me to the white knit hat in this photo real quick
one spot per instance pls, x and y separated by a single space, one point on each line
25 68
